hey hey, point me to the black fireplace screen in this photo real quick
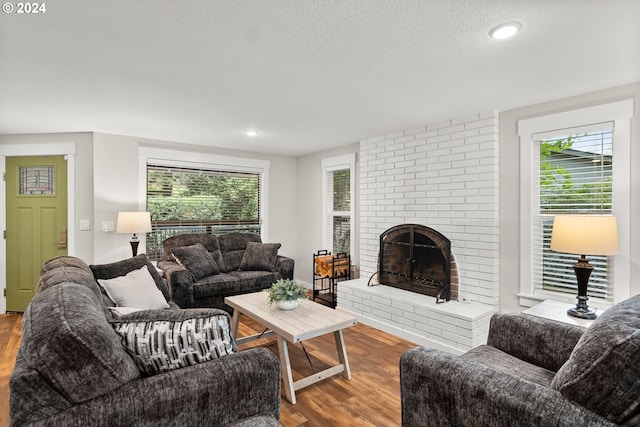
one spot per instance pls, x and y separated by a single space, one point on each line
416 258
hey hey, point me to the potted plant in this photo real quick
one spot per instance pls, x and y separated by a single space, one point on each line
286 293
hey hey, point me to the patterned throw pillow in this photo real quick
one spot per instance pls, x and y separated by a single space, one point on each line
164 345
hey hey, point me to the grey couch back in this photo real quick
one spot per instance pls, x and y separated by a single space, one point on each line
69 353
227 250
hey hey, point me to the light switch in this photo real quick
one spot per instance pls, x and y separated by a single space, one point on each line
85 225
107 226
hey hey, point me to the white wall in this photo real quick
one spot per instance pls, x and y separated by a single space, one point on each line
118 187
510 185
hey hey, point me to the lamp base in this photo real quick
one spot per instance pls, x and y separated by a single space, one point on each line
580 313
134 244
582 310
134 247
583 270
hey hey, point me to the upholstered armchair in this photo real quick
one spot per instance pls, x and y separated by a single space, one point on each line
532 372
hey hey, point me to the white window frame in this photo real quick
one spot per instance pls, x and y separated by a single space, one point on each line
620 113
188 159
331 164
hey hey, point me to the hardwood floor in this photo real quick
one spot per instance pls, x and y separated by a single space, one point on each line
10 334
370 398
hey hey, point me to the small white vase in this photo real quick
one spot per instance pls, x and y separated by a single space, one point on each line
287 304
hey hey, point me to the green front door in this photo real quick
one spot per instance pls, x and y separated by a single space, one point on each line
36 192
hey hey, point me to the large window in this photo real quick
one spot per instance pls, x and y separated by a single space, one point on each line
195 197
338 182
574 163
575 177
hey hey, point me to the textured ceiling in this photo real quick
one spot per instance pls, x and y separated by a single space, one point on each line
307 74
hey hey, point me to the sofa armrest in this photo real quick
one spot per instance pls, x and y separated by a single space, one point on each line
439 388
284 266
542 342
216 393
180 282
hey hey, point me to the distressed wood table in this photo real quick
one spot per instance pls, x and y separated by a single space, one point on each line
308 320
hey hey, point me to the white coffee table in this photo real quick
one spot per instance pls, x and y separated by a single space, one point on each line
309 320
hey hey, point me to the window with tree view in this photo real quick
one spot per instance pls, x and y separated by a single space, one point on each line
575 177
183 200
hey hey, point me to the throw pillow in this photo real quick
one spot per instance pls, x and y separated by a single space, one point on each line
259 256
603 371
197 259
135 289
120 268
170 343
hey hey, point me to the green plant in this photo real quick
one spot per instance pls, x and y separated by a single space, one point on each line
287 290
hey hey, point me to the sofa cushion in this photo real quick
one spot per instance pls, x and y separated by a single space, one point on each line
234 283
232 246
66 338
120 268
135 289
173 339
197 260
259 256
603 371
499 360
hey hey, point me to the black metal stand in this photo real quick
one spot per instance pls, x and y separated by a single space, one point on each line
583 271
324 282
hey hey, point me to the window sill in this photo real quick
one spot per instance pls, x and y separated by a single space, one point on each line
530 300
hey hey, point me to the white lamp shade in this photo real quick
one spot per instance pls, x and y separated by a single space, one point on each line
134 222
585 234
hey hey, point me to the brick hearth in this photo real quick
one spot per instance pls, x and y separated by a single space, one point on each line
453 326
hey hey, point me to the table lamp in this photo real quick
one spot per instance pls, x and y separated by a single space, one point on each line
581 235
134 222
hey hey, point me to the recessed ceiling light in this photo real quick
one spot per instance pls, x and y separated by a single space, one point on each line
251 133
506 30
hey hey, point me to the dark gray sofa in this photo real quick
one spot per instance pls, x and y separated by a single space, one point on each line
73 369
532 372
236 263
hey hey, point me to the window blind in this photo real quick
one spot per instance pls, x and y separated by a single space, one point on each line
195 200
339 196
574 177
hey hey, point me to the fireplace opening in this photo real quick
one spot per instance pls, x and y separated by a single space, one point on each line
418 258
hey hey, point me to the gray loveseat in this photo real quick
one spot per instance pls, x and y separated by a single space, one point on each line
74 369
203 269
532 372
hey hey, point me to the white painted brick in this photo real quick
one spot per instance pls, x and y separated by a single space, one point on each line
406 138
465 133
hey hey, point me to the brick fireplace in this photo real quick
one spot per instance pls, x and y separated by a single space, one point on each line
444 176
